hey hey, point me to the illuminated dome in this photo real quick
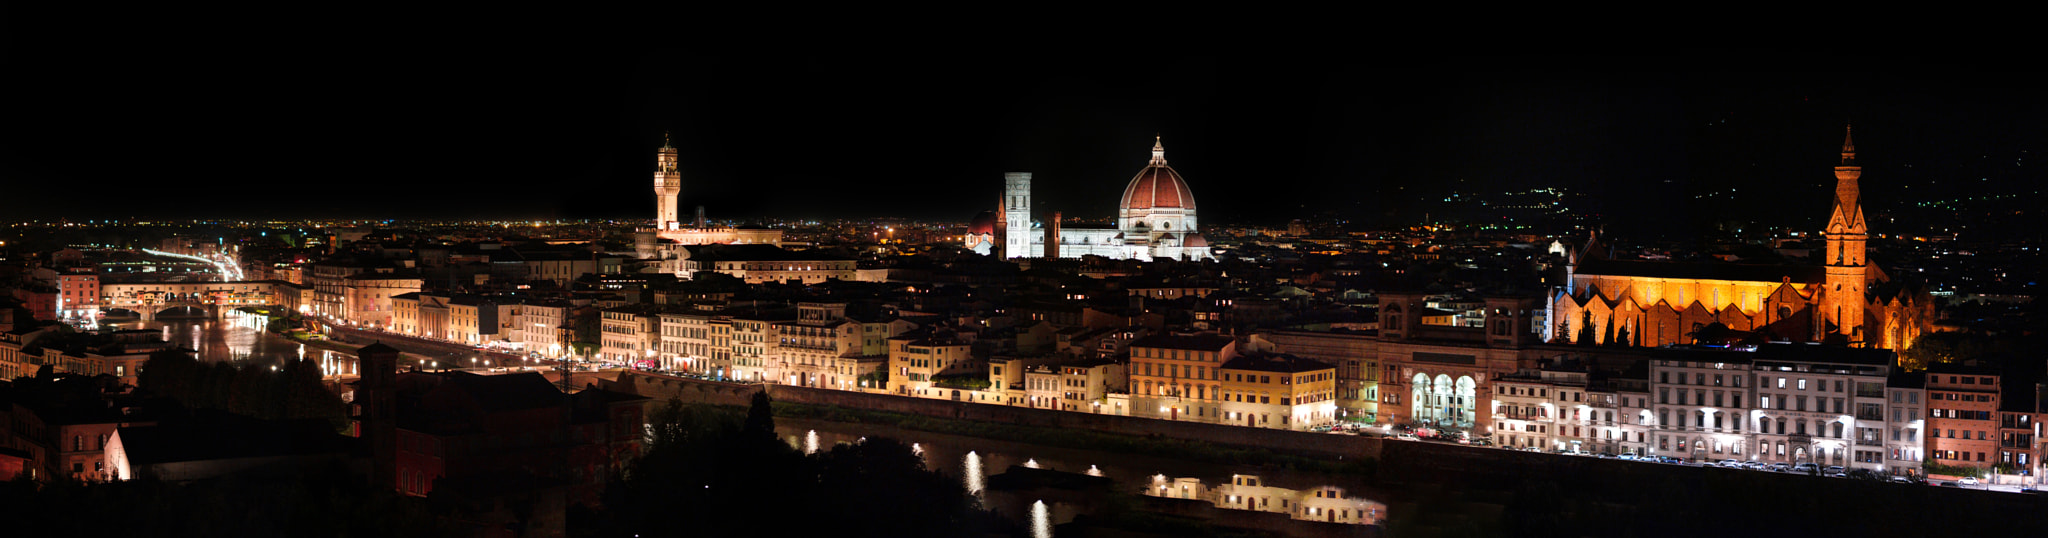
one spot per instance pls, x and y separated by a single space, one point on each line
983 223
1158 186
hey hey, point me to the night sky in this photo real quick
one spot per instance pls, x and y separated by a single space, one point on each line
333 121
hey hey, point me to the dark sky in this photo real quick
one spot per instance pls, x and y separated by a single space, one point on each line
207 119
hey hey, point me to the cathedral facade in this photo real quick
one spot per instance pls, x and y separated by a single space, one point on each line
1155 220
1846 299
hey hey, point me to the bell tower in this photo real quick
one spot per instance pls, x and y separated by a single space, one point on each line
667 184
1017 215
1847 271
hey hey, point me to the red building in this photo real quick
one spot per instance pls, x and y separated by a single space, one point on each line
78 295
41 301
1962 416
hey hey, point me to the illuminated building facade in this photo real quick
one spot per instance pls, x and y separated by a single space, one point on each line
79 295
1962 416
1276 391
1179 377
916 359
1437 375
1655 303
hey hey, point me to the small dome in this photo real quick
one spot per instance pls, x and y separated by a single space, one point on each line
1196 240
983 223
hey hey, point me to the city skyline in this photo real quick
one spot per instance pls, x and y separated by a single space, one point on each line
539 131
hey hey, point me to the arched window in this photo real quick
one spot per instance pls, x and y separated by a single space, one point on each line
1467 397
1420 397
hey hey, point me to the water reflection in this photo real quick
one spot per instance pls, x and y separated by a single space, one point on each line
1041 520
239 336
978 459
1249 492
971 471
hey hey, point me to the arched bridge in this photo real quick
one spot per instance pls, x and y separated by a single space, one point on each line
154 298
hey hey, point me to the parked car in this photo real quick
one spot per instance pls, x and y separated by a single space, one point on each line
1629 456
1806 468
1968 481
1835 471
1756 466
1779 467
1729 464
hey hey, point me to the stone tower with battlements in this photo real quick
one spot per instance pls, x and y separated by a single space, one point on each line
667 184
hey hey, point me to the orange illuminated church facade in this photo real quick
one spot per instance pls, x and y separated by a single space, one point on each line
1845 299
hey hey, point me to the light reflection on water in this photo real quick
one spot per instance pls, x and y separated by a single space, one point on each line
978 459
237 337
970 470
1041 520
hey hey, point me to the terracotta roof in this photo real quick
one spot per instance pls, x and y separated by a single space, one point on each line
1158 186
1703 270
1197 342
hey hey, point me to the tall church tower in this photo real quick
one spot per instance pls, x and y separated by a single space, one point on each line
1847 271
1017 215
667 184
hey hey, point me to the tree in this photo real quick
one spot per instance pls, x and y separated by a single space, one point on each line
169 373
760 417
1621 337
1941 348
1586 330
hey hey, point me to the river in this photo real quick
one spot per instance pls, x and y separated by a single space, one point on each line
237 337
973 460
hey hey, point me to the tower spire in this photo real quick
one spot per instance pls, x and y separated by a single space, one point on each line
1848 273
665 144
1158 152
1849 145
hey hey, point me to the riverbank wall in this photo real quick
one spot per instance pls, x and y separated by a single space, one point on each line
696 391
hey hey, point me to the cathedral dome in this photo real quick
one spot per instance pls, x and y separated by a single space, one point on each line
983 223
1157 186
